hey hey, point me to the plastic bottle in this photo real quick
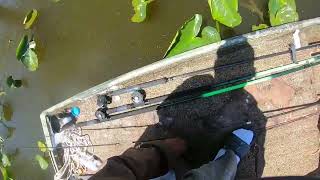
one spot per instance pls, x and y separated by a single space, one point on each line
72 115
63 120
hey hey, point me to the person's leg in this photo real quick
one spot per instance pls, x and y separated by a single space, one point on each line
224 165
147 161
221 168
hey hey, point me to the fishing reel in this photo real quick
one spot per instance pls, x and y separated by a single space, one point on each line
138 97
101 114
103 101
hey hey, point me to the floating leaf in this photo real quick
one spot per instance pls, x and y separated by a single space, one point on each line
22 47
13 154
6 112
4 172
30 60
225 11
140 9
2 93
282 11
25 53
1 142
187 37
30 18
12 83
10 132
259 27
5 160
42 146
42 162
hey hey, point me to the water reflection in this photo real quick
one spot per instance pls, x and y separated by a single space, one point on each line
82 44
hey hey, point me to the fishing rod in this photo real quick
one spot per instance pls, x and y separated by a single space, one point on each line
290 121
165 80
295 108
251 77
158 102
139 94
235 125
290 108
239 125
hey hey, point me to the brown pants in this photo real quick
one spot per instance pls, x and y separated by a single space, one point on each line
155 159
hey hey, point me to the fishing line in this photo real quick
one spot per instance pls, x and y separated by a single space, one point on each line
158 102
299 107
202 71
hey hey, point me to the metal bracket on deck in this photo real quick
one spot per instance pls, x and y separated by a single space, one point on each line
101 114
103 100
317 43
138 97
293 51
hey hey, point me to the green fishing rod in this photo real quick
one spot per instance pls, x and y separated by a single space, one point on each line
165 80
158 102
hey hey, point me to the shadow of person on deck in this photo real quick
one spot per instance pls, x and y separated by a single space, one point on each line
205 122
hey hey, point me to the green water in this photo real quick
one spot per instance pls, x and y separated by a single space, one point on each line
84 43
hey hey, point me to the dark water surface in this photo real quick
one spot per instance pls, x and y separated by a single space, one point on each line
84 43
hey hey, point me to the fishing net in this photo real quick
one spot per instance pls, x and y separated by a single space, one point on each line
76 148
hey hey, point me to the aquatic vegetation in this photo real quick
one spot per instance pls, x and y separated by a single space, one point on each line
259 27
42 146
30 18
42 159
225 12
25 53
5 162
13 83
188 38
42 162
6 112
140 9
282 11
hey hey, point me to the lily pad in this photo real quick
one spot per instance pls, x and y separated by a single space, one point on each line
6 112
25 53
22 47
259 27
10 132
5 160
42 146
30 18
282 12
42 162
188 38
13 154
30 60
5 174
140 9
12 83
225 11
